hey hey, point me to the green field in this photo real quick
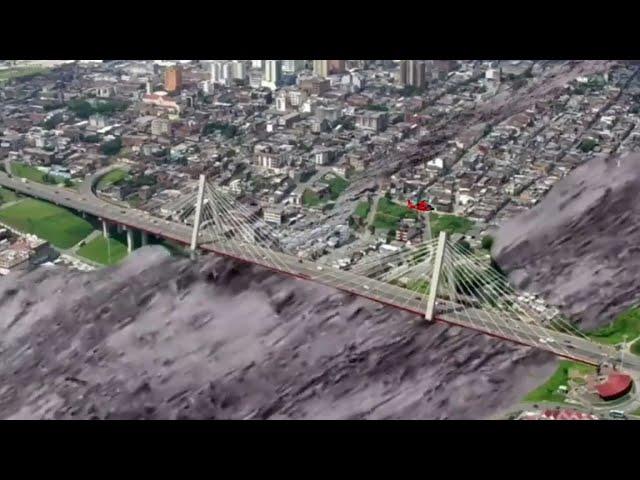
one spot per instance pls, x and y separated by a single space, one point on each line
420 286
548 392
337 184
55 224
363 209
32 173
7 196
112 178
310 198
627 323
102 252
17 72
449 223
389 214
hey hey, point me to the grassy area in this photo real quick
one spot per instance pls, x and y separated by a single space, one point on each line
33 174
635 413
28 172
548 392
337 184
55 224
7 196
420 286
102 252
112 178
390 213
310 198
627 323
449 223
17 72
363 209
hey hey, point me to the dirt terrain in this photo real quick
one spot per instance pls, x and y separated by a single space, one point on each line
160 337
579 247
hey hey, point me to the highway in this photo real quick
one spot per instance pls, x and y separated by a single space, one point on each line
499 324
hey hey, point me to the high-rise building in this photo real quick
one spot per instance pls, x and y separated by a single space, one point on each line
255 78
239 70
321 68
257 63
272 74
173 79
292 66
336 66
412 72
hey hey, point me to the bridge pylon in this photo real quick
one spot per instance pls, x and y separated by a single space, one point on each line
198 214
435 277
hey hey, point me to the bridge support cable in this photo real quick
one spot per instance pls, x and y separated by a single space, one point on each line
261 228
507 295
420 261
560 340
505 288
189 201
232 215
373 264
508 324
196 222
416 260
523 327
462 280
500 285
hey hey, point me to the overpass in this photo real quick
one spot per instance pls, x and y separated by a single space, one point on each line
232 230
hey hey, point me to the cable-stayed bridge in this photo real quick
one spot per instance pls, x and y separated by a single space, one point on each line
438 280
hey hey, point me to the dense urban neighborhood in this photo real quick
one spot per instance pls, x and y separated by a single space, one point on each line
345 161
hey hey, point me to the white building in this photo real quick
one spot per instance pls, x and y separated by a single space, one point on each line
281 102
257 64
272 74
239 70
255 78
292 66
321 68
273 215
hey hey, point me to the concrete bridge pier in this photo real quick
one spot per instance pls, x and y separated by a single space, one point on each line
105 229
129 239
144 236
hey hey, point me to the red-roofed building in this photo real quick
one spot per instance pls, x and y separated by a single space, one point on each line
615 386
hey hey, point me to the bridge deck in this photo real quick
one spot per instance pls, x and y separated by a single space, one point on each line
503 326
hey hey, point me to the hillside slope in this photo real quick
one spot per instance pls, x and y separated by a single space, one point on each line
159 337
580 246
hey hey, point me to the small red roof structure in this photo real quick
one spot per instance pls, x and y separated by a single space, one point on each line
616 385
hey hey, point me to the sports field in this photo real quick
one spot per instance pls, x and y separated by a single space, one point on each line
56 224
102 252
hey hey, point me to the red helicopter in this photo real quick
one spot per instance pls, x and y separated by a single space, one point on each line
422 206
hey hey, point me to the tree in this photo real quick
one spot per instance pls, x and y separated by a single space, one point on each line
372 229
81 108
487 242
391 235
587 145
465 246
388 195
68 183
112 147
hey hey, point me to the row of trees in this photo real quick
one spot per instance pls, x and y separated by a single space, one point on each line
84 109
228 130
